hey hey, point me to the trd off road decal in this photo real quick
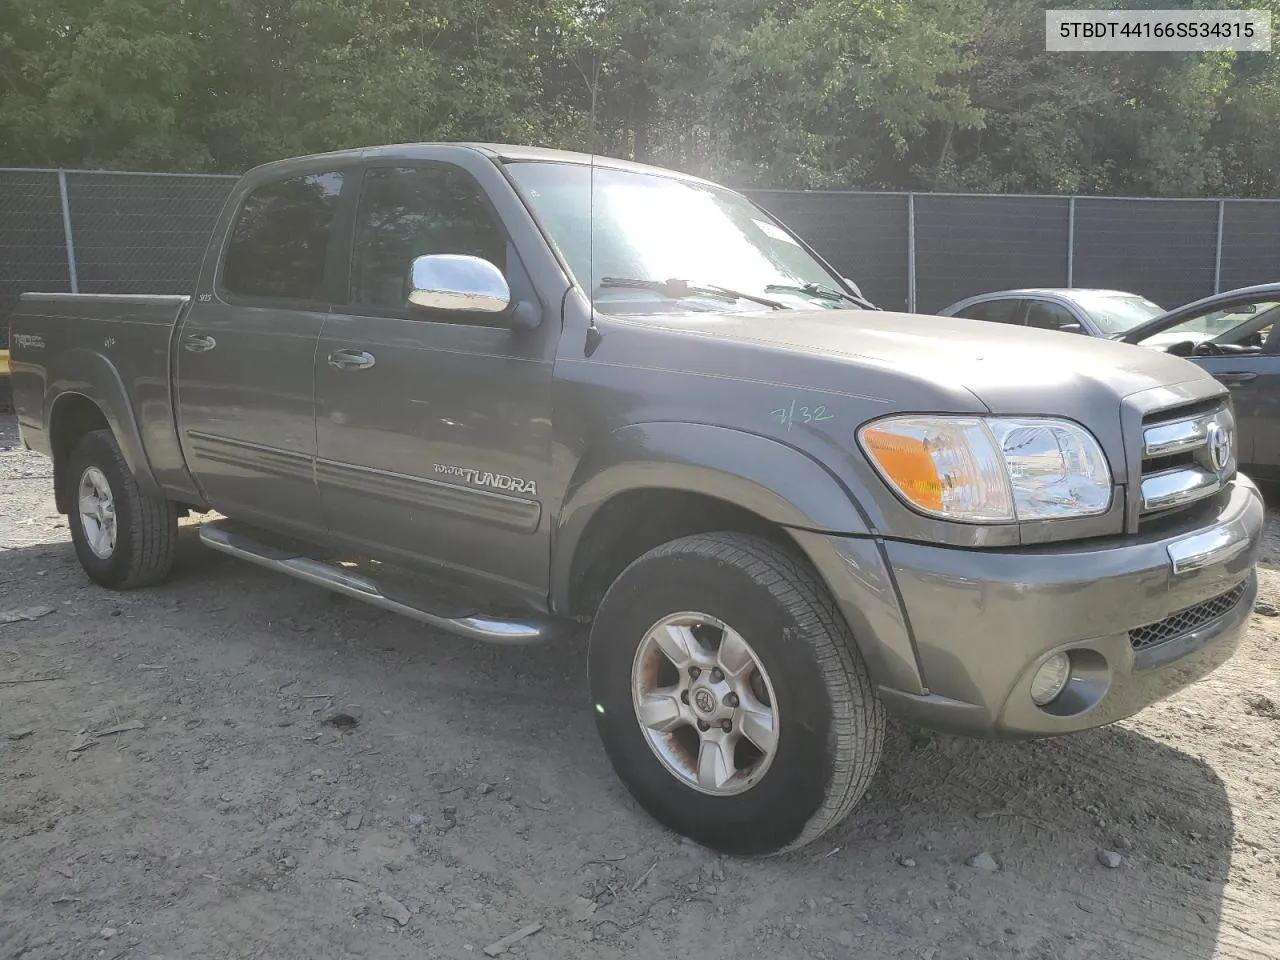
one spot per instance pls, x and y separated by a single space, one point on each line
484 478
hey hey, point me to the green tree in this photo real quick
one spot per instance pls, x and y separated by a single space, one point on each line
99 82
931 94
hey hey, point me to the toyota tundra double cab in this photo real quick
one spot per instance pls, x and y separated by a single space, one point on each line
509 391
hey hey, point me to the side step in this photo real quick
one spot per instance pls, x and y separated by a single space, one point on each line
218 535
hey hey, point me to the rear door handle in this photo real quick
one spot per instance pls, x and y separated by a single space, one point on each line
350 360
1231 379
197 343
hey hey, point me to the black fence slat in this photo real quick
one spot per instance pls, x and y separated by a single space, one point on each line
862 235
1250 243
1163 249
976 244
33 252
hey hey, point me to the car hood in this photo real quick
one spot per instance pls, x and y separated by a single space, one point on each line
1011 370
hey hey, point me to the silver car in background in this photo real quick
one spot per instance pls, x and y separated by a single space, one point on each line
1098 313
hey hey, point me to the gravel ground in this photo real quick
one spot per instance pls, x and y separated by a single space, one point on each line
239 765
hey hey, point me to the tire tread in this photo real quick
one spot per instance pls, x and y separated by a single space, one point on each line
857 715
153 521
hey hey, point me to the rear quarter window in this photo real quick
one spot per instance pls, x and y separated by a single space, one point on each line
994 311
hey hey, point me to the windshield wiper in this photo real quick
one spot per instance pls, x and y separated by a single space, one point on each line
826 293
677 288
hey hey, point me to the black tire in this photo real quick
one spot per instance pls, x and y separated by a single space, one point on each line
146 526
831 724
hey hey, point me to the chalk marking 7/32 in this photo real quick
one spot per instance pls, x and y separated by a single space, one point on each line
792 414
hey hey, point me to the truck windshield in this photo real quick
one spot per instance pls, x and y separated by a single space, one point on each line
650 230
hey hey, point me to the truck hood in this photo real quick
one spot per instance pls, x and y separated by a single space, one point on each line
1011 370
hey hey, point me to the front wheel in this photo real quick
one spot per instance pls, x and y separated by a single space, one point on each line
730 695
123 536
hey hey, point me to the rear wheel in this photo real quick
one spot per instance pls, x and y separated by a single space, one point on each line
123 537
730 696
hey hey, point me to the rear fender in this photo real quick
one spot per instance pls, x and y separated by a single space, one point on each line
89 374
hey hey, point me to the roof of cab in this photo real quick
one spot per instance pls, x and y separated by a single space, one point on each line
498 152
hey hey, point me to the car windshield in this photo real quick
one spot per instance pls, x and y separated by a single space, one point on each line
650 229
1117 314
1222 326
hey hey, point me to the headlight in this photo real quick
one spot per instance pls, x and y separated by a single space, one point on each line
990 469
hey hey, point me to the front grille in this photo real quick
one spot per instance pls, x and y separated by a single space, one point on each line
1184 621
1182 456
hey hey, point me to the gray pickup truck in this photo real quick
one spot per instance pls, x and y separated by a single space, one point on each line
508 391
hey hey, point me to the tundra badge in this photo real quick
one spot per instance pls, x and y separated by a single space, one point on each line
485 478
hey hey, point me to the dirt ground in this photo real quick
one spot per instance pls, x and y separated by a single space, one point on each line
182 779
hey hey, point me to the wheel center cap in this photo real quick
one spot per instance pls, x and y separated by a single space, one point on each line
704 700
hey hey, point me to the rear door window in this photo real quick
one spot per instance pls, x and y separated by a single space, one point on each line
280 245
996 311
1046 315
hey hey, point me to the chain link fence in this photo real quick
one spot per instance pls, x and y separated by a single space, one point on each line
33 250
103 232
116 232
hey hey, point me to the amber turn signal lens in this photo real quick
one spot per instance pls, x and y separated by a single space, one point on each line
907 461
943 466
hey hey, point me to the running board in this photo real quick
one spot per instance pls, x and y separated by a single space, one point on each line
475 626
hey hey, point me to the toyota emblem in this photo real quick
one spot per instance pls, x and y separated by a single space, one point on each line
704 700
1218 439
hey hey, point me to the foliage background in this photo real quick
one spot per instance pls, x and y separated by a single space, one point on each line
925 94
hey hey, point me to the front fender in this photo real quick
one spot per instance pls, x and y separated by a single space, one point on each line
87 373
772 480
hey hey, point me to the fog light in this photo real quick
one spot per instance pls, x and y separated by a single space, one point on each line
1050 679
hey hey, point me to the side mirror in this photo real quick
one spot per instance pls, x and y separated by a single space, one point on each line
456 282
854 287
1071 328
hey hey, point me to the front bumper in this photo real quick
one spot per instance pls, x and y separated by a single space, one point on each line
983 621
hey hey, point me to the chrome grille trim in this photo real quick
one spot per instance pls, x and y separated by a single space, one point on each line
1177 487
1178 436
1178 468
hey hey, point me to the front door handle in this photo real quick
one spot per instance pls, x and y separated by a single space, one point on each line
199 344
1231 379
350 360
